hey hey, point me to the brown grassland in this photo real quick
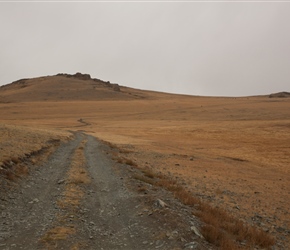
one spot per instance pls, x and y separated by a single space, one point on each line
233 153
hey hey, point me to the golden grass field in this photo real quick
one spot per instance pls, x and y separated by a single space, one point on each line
232 152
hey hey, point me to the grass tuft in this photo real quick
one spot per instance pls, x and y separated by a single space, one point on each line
143 179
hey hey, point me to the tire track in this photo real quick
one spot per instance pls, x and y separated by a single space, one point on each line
29 210
67 223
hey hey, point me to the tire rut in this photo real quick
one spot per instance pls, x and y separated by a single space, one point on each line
28 211
113 214
109 205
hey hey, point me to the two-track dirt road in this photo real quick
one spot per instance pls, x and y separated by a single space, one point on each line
80 199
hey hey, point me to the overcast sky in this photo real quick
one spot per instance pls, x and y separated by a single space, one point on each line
212 48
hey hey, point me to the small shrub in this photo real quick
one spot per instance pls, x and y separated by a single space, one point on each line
186 197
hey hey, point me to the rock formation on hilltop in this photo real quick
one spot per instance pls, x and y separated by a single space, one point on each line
77 75
86 77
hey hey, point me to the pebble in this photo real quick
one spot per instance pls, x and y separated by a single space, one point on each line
195 230
161 203
60 182
159 244
191 245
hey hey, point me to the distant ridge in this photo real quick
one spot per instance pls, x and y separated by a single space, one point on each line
280 95
78 75
64 87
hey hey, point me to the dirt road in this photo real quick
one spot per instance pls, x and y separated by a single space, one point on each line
80 199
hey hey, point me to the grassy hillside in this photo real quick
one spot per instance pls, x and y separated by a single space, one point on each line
231 152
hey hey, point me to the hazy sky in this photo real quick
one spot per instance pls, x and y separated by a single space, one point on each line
200 48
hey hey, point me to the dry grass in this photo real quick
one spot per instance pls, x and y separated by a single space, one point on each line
148 173
218 238
15 160
19 144
77 177
78 246
9 175
111 145
71 197
246 138
217 219
57 234
125 151
219 228
143 179
19 141
21 170
13 172
124 160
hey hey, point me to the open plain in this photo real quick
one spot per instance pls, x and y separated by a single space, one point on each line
232 153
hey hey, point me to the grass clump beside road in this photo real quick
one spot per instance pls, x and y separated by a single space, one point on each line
21 146
220 228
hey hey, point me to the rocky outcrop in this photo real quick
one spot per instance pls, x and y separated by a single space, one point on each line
114 86
82 76
86 77
78 75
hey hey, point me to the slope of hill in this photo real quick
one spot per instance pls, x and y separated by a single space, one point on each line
280 95
64 87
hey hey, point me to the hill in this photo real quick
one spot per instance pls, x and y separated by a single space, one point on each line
280 95
230 152
65 87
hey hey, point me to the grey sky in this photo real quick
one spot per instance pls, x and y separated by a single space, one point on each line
222 48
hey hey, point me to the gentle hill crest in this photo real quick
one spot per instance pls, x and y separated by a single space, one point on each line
82 87
64 87
283 94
